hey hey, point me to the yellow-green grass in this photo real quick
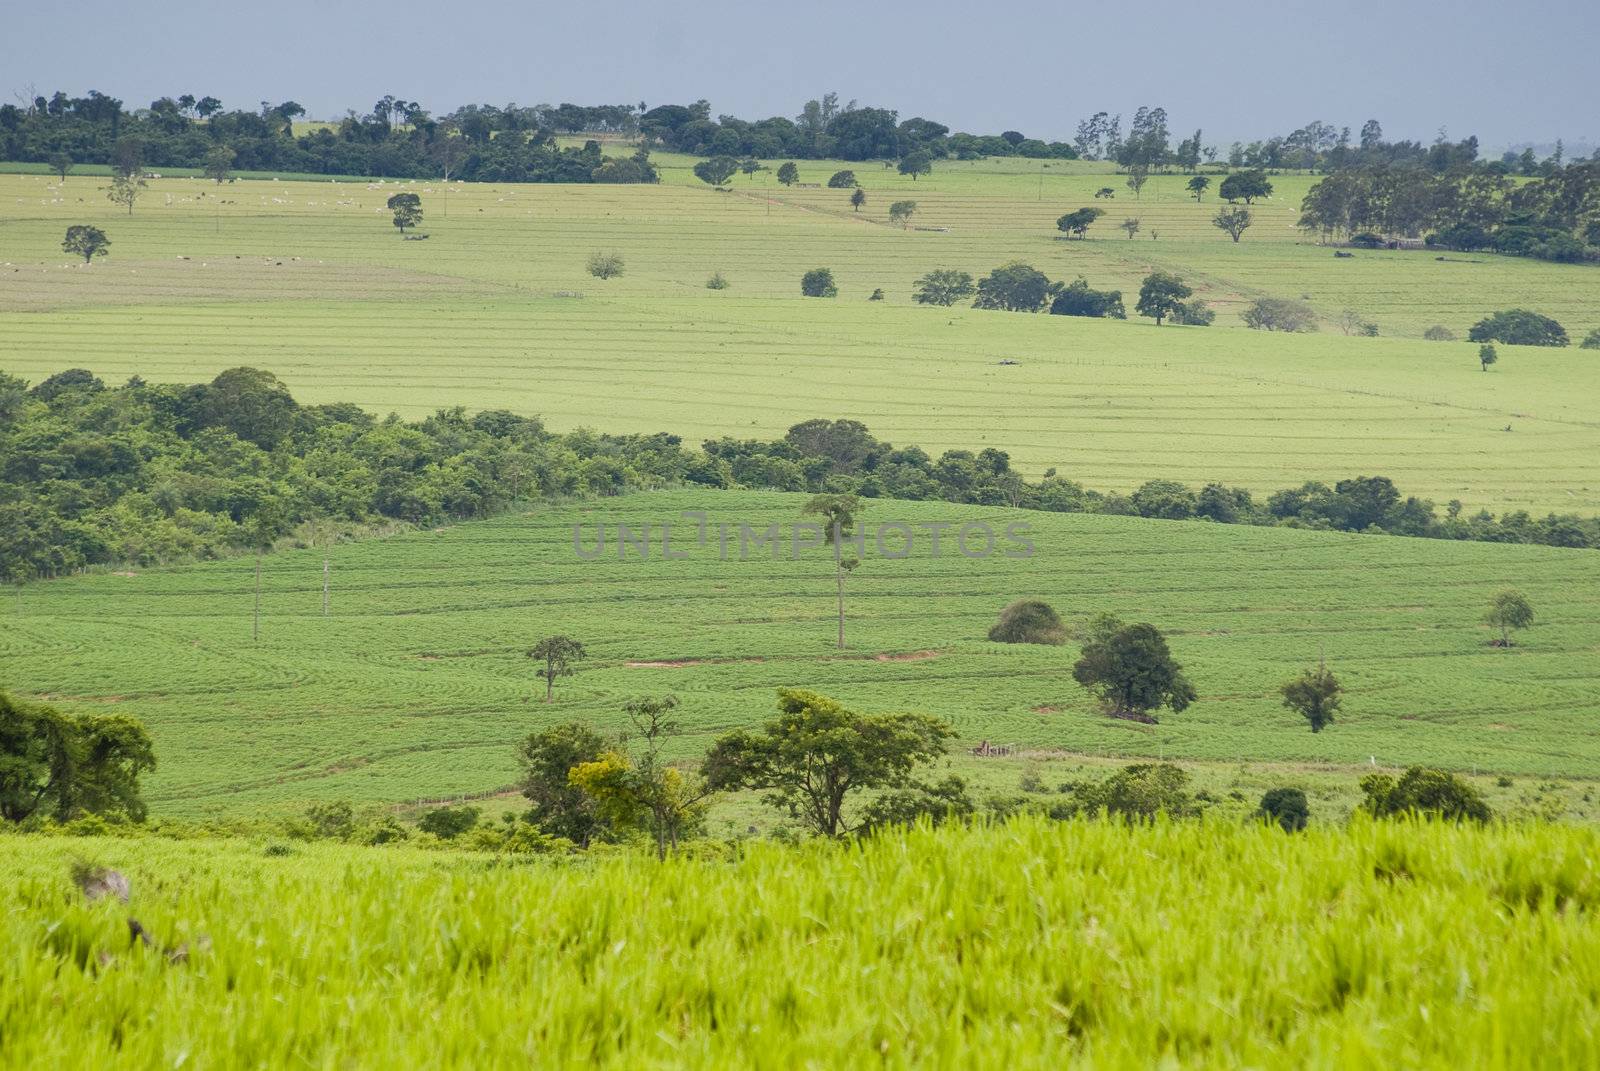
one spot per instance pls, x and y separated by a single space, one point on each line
1031 945
417 685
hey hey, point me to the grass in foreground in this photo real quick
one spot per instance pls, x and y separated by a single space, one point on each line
1014 947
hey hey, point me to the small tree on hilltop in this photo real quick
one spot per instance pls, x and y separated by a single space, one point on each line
1198 186
1510 610
858 198
901 211
1487 355
557 653
1161 295
1234 221
788 173
838 515
943 287
85 241
1315 695
218 163
716 171
1029 621
818 282
816 755
1077 222
407 209
1130 668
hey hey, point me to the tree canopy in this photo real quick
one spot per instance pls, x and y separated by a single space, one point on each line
1130 668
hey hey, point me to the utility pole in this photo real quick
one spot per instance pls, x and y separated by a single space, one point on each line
325 587
255 624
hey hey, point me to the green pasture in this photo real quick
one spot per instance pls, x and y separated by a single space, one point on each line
416 684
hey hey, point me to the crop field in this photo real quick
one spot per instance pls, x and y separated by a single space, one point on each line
1017 946
417 684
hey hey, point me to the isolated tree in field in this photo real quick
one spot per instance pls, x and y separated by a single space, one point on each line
85 241
126 187
407 209
1233 221
1015 287
901 211
640 789
1315 695
1130 668
1287 807
788 173
1131 225
1029 621
1161 295
858 198
1245 186
556 655
60 163
716 171
917 163
604 265
1198 186
1138 175
60 766
837 514
816 755
1510 610
750 165
1423 792
842 180
1487 355
547 759
218 164
1279 314
943 287
1519 327
818 282
1078 221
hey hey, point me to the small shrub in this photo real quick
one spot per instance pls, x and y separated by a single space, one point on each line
1140 792
605 265
818 282
1366 240
1287 807
1029 621
277 850
1425 793
716 282
447 823
877 295
1280 314
1439 333
1591 341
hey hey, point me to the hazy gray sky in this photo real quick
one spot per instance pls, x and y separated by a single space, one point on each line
1505 71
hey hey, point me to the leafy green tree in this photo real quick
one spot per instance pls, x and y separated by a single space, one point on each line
943 287
934 804
1131 225
251 403
1287 807
1161 295
61 766
85 241
1079 299
816 755
641 789
1130 668
1315 695
1234 221
750 165
1423 792
901 211
1591 341
1078 221
127 185
547 759
557 653
916 163
1015 287
1138 175
788 173
1510 610
842 180
1029 621
1245 186
1139 792
838 517
1487 355
60 163
818 282
858 197
1198 186
1519 327
218 163
448 823
407 209
716 171
1279 314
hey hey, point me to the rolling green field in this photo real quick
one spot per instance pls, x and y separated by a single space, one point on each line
1030 945
417 685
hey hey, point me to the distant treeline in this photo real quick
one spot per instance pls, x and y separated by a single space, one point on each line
147 473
